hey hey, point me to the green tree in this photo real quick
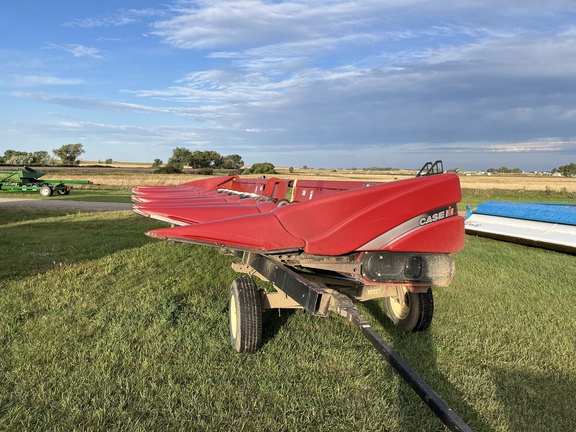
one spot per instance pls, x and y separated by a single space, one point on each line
566 170
505 170
170 168
206 159
20 158
15 157
157 163
69 153
232 161
41 158
263 168
180 156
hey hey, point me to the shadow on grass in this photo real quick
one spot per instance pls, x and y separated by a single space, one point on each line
527 396
20 215
272 321
36 246
418 350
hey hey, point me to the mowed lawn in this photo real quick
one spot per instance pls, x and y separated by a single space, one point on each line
102 328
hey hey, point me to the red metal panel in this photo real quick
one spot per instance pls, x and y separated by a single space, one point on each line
211 183
201 214
174 198
260 232
305 190
446 236
344 222
416 215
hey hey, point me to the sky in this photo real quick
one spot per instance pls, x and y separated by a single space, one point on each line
328 83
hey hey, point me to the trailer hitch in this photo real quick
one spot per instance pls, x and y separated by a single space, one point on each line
342 305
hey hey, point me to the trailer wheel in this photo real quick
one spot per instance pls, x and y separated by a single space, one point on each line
46 191
245 316
411 311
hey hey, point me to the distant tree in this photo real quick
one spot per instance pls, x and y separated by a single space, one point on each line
12 157
199 159
170 168
291 170
215 158
566 170
41 158
232 161
69 153
157 163
263 168
180 156
206 159
505 170
21 158
9 153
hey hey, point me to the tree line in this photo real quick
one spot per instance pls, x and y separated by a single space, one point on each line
68 155
207 161
204 161
566 170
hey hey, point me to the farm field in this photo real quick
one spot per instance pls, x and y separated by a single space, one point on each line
102 328
129 177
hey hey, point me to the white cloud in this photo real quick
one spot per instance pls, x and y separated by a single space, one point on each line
120 18
37 81
87 103
78 50
204 25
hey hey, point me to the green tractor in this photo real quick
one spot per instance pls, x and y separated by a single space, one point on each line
27 180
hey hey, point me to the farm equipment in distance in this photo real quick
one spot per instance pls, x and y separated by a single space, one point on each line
28 180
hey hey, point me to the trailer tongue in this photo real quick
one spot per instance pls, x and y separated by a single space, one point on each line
326 246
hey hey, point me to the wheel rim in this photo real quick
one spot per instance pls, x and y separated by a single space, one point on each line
233 318
400 306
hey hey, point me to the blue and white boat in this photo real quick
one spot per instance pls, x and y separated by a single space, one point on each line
551 226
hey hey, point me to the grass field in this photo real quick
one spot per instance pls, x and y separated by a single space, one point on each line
102 328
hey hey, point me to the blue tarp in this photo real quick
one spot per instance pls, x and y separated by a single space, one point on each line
543 212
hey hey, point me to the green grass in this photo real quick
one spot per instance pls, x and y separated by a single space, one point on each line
473 197
102 328
92 195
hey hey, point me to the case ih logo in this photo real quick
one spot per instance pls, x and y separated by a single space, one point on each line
437 215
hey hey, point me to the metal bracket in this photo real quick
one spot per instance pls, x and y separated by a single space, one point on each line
304 292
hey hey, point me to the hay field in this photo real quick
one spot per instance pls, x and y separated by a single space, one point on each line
127 178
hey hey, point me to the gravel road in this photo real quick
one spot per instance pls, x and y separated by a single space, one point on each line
56 204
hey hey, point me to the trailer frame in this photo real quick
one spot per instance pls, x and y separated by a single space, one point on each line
318 294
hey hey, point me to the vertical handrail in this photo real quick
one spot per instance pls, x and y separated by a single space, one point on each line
430 168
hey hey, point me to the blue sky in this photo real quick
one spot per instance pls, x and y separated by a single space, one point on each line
327 83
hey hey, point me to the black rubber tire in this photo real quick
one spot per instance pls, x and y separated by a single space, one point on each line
46 191
412 312
245 316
